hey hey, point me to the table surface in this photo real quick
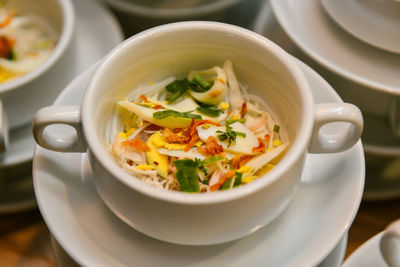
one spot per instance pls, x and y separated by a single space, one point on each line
25 241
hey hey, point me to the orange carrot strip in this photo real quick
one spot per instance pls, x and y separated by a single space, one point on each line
144 98
260 148
7 20
243 111
191 143
137 144
222 180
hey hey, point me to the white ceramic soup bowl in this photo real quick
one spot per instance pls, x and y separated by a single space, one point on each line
23 96
174 49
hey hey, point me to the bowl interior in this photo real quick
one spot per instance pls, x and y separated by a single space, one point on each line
174 50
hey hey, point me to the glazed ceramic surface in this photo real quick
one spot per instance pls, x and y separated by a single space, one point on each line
382 150
23 96
375 22
175 49
321 212
342 59
334 259
15 163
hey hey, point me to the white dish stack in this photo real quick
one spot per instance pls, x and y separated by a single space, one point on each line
355 46
25 95
139 15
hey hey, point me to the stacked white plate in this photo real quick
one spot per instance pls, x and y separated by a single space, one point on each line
87 46
138 15
363 68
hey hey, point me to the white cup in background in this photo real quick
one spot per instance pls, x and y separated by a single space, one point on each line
22 97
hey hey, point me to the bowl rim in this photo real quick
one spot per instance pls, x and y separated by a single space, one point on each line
172 13
297 148
67 31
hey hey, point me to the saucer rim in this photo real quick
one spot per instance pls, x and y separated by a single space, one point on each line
332 12
324 252
332 66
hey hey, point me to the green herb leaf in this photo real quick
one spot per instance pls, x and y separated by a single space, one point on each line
177 88
200 165
212 159
210 111
200 85
230 135
205 182
172 113
226 185
186 175
228 122
276 128
12 55
238 179
237 182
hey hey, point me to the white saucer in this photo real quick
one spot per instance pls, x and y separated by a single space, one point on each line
303 235
335 257
376 22
321 39
96 33
368 255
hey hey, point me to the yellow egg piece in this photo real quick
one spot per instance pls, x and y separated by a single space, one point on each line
155 159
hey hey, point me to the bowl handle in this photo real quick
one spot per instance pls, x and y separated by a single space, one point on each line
390 244
69 115
335 112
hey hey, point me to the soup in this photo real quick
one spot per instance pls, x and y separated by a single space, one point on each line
201 133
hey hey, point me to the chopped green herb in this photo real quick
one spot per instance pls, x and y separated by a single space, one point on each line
198 84
205 182
212 159
201 167
12 55
186 175
237 182
230 135
176 88
172 113
226 185
238 179
228 122
276 128
210 111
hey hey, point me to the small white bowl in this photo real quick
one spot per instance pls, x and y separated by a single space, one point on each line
150 9
175 49
18 96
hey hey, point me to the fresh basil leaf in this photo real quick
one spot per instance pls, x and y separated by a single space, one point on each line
172 113
210 111
186 175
